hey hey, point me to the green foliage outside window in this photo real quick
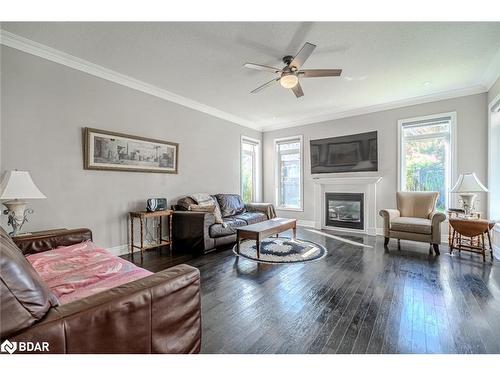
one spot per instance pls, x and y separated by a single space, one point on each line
425 162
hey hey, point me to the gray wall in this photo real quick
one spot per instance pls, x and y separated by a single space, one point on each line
44 107
471 146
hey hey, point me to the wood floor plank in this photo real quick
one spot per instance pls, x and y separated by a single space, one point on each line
354 300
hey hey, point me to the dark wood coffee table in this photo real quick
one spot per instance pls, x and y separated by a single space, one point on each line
265 229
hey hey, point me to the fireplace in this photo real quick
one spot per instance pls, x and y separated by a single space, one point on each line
345 210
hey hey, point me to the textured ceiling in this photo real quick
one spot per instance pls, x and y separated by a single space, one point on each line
381 62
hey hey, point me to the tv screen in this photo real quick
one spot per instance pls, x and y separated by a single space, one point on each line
350 153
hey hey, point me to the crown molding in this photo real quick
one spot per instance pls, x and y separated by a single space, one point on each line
344 113
37 49
41 50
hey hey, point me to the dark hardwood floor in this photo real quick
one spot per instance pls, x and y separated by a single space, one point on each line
355 300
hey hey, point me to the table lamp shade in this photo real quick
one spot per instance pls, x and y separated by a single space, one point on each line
19 185
468 183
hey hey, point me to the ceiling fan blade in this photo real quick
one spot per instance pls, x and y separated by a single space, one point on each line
297 90
262 87
262 67
312 73
303 55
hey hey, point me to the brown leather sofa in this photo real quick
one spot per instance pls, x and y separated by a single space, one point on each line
160 313
199 232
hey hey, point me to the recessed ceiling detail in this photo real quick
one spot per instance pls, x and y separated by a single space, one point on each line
198 64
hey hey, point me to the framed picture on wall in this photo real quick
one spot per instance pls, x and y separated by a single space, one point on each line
107 150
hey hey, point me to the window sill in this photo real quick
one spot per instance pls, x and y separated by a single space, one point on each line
289 209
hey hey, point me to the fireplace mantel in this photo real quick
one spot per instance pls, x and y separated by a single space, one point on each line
365 185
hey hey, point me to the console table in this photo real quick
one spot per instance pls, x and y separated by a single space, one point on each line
142 216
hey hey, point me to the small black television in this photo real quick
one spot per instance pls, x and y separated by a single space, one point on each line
349 153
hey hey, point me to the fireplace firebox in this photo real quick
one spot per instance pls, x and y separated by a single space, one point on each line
344 210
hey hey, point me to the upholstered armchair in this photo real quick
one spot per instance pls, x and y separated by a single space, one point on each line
415 219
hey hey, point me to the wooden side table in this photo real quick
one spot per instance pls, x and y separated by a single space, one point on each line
143 216
469 235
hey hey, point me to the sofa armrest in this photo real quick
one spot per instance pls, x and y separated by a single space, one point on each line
436 219
388 214
37 243
160 313
267 208
190 230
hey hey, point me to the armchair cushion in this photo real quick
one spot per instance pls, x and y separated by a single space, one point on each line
411 225
416 203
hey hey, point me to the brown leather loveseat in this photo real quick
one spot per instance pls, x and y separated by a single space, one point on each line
156 314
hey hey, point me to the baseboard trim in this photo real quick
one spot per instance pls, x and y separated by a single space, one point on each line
119 250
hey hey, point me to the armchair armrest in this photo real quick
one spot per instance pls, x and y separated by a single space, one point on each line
190 230
388 214
267 208
436 219
160 313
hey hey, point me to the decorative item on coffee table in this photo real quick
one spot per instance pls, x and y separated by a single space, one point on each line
160 241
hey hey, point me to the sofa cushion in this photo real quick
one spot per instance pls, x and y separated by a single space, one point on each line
230 204
411 225
218 230
416 203
24 297
252 217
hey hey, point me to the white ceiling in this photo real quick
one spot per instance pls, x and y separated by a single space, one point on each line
381 62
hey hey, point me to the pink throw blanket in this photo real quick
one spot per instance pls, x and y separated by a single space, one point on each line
80 270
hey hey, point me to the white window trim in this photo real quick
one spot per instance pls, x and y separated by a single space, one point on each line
491 152
257 167
452 200
276 174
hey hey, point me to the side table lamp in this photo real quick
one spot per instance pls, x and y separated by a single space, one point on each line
467 187
16 186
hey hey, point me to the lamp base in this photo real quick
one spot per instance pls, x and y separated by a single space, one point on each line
17 215
468 202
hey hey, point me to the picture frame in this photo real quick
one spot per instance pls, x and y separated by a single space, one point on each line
112 151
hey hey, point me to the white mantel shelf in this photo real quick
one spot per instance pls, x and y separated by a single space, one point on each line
347 180
366 185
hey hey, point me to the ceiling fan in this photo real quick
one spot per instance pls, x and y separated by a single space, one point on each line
289 75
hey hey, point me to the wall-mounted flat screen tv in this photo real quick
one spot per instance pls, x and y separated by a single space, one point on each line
349 153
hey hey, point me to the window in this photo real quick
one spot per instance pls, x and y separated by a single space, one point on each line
426 154
289 173
249 156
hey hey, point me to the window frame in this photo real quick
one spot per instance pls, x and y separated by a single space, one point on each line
450 200
277 173
255 167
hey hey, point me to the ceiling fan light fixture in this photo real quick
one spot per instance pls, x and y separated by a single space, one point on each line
289 81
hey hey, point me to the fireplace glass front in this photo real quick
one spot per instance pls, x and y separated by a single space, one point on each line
344 210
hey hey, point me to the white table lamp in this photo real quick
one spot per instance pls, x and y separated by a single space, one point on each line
16 186
467 187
